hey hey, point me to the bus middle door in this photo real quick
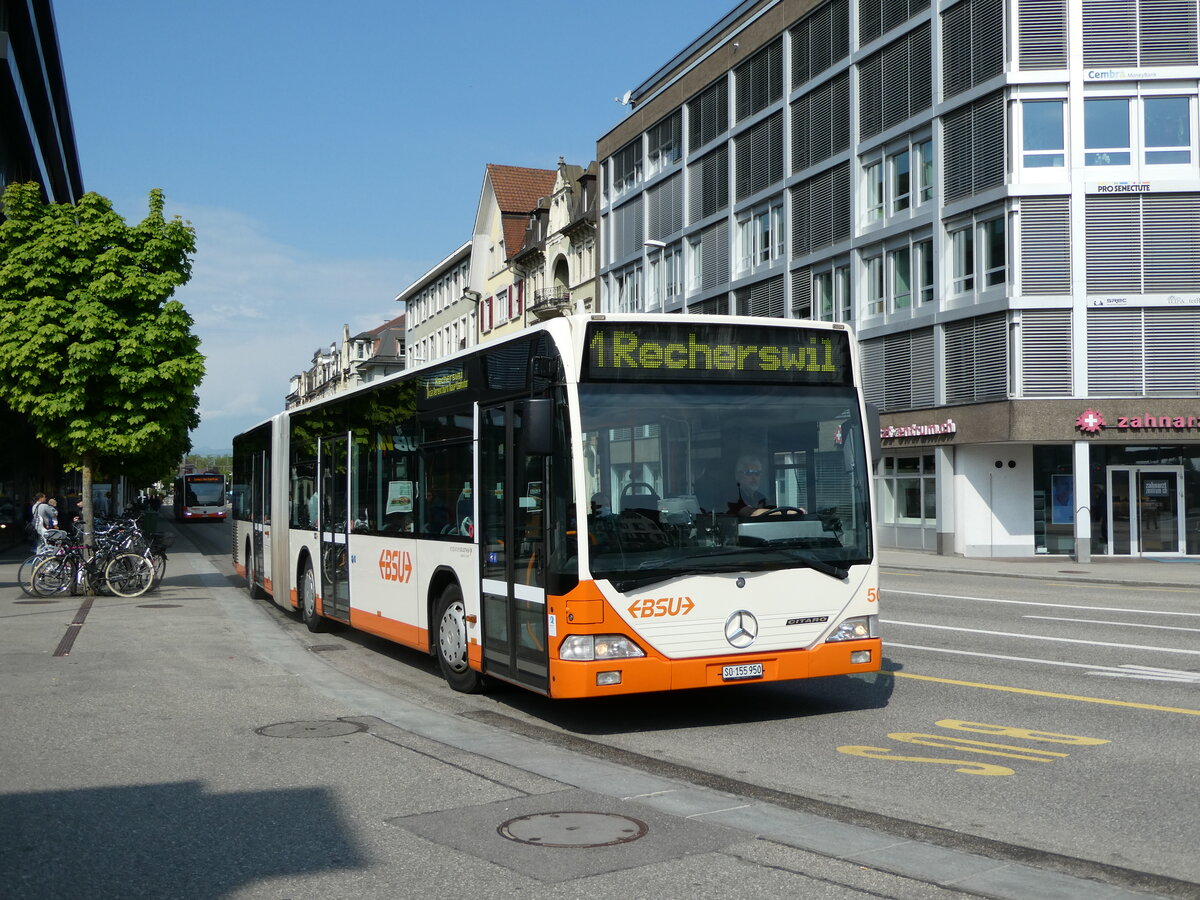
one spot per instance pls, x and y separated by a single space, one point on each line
333 487
512 506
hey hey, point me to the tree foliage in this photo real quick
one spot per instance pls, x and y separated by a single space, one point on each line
95 353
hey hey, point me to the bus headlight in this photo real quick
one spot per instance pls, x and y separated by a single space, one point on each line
856 629
582 647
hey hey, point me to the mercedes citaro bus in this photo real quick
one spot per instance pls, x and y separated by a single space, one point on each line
561 509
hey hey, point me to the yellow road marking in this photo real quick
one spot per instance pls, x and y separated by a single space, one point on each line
1017 690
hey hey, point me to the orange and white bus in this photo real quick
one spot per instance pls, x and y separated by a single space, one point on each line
567 509
200 497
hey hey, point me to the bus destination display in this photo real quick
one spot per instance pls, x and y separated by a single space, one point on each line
695 352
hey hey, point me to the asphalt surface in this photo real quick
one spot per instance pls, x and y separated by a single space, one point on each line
181 744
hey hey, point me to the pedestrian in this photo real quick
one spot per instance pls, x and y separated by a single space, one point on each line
44 520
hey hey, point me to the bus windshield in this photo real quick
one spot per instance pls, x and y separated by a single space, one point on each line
719 477
208 492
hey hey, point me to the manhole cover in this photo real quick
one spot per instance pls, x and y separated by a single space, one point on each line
310 729
573 829
159 605
32 602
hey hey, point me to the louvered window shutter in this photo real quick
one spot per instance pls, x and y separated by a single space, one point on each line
1173 345
870 20
956 49
920 69
870 96
1046 245
1110 32
760 156
923 381
897 362
894 86
763 299
1042 43
987 39
1115 352
709 179
988 139
802 293
1167 33
1046 351
1170 243
802 218
956 158
708 115
976 363
665 208
871 354
1114 246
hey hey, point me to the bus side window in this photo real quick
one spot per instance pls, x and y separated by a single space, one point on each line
447 498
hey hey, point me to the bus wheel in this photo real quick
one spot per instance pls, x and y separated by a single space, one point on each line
452 643
251 587
308 600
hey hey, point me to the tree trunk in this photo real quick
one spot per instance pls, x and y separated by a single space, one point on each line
89 471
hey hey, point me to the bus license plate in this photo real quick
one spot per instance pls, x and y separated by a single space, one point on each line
738 673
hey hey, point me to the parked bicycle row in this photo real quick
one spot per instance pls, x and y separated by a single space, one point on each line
122 561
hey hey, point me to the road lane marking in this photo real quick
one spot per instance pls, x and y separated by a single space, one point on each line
1051 694
1149 673
1092 668
1109 609
1121 624
1041 637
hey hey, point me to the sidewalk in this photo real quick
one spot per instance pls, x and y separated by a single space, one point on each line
186 745
1158 571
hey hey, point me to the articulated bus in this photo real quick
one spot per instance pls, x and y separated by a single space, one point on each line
570 510
200 497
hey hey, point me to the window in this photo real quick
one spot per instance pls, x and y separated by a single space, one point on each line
925 171
873 184
627 167
1167 127
924 270
994 255
823 294
962 253
501 308
979 247
874 296
901 268
665 282
1042 140
909 495
760 237
901 181
665 144
831 293
1106 132
628 290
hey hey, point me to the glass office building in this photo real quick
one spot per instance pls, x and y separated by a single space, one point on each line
1000 197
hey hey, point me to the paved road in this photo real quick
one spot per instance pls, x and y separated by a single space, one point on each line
196 744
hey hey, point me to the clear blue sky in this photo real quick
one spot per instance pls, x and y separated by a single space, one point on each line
325 162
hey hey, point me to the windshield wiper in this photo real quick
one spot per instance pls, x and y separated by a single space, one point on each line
820 565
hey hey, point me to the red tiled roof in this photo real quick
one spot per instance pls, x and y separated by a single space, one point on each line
514 235
518 190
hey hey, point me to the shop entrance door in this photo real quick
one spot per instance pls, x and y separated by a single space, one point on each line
1145 510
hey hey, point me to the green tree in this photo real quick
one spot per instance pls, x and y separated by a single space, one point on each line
95 354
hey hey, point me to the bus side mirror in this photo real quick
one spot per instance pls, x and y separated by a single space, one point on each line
537 427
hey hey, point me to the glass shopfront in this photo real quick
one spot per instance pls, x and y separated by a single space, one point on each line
1145 500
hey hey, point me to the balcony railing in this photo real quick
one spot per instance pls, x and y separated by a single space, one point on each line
550 302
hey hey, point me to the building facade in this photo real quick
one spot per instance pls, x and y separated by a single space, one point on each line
557 263
367 356
441 309
999 196
511 195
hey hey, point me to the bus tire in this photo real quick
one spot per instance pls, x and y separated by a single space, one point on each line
251 576
308 600
452 643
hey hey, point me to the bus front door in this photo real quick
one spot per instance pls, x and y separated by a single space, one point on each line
333 486
512 503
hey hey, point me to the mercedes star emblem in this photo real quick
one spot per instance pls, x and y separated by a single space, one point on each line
741 628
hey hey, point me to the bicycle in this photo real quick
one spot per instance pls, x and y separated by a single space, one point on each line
121 572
